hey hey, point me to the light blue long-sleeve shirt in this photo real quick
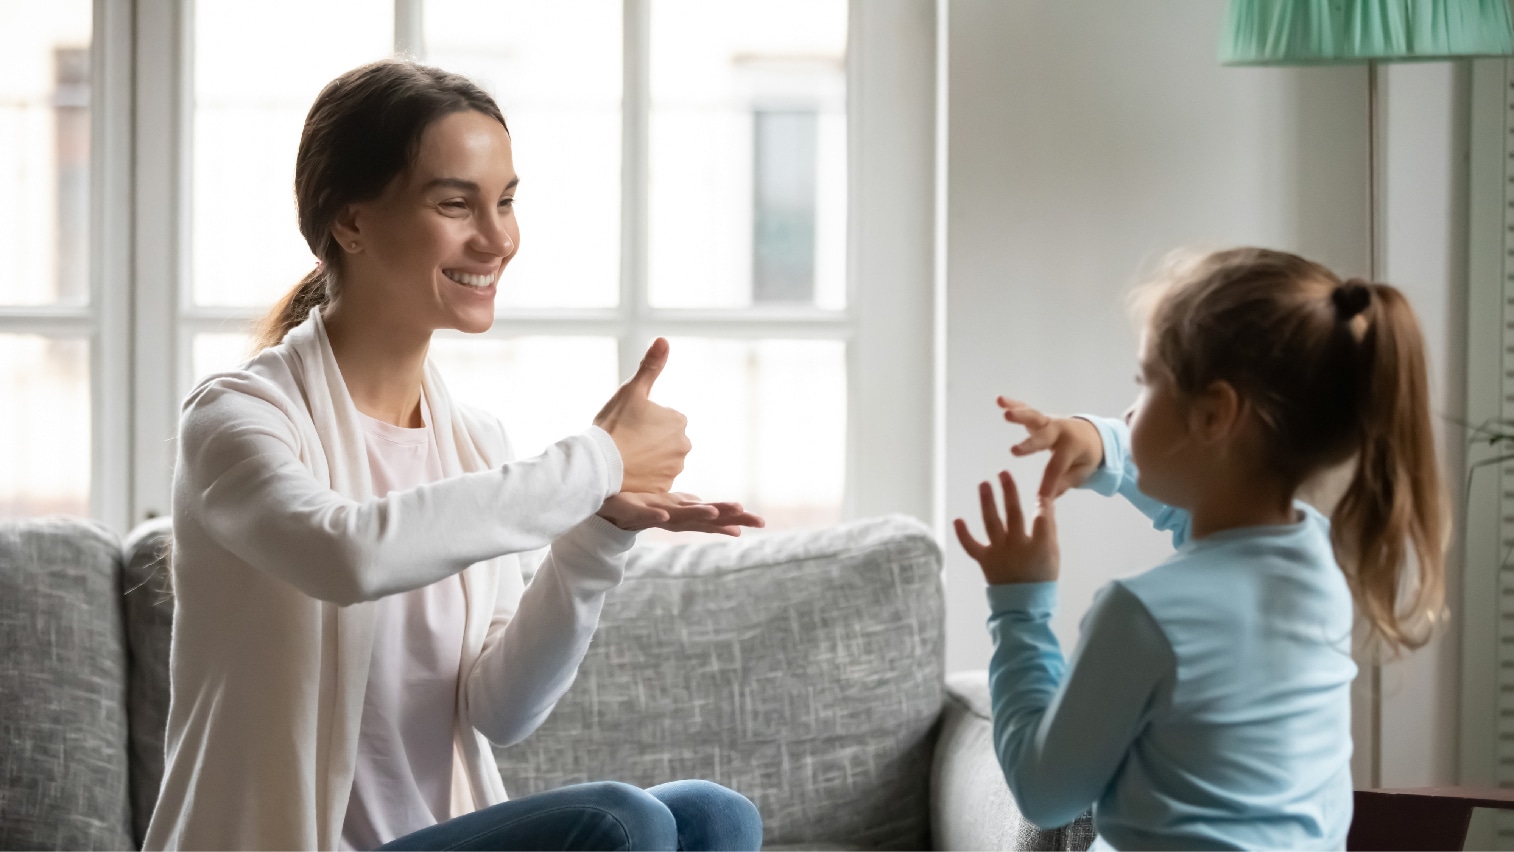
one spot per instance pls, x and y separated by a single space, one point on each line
1207 705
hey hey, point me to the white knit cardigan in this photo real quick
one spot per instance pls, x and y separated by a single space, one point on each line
279 549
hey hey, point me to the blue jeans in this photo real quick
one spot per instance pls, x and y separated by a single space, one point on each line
603 815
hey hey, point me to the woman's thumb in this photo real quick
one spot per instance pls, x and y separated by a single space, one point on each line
651 365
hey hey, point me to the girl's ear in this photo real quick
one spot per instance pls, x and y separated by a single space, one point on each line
1217 413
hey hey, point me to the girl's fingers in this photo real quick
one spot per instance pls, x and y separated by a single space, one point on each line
1014 519
1044 529
1051 481
991 523
965 538
1041 439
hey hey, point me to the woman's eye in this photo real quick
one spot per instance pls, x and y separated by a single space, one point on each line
506 203
454 205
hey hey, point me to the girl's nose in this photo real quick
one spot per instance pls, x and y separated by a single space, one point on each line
1129 414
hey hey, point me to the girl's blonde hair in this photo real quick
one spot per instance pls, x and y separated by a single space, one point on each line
1334 370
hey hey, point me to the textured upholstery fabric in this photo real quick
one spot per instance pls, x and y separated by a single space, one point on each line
63 761
803 670
971 807
149 622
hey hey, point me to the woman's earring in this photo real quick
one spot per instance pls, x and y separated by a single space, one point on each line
352 245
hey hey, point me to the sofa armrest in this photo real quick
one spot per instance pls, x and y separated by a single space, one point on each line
971 807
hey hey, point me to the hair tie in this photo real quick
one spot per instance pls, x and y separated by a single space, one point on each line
1350 298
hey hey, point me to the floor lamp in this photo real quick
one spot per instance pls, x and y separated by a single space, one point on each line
1341 32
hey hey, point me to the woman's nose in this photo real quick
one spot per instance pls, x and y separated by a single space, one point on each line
1129 415
494 237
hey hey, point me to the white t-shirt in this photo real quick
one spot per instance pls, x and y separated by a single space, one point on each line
402 779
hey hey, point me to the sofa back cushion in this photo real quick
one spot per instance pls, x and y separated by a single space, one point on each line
804 670
149 624
63 761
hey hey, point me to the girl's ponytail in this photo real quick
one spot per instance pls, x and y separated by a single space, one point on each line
1395 496
312 292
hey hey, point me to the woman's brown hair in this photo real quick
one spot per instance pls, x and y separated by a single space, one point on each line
361 132
1334 370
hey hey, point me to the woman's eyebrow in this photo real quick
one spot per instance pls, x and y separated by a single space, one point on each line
464 185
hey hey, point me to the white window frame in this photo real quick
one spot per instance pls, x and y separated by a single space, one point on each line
887 325
103 321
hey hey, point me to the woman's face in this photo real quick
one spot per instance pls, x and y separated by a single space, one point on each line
433 245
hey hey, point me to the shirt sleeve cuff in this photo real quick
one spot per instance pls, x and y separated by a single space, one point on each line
1039 599
613 464
601 536
1106 478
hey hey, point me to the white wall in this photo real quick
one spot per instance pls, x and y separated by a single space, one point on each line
1424 251
1087 138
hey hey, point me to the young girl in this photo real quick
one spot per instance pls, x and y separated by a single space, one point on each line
1207 704
351 628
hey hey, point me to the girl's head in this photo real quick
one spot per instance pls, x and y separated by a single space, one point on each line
404 179
1321 371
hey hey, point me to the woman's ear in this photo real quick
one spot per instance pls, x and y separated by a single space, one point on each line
345 229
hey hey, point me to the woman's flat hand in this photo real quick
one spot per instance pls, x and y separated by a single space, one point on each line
1012 556
634 511
1077 450
650 437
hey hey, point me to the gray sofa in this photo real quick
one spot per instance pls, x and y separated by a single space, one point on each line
803 669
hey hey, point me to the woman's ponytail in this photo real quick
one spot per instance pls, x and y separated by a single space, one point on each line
312 292
1395 497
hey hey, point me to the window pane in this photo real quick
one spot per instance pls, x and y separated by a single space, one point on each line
768 423
45 433
213 353
748 153
542 389
44 152
257 70
555 69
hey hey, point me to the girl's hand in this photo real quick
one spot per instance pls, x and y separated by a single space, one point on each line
1076 448
650 437
635 511
1011 556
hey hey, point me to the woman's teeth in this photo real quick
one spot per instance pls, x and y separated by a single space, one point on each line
466 279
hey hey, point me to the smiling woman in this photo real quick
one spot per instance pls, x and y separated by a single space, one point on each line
351 623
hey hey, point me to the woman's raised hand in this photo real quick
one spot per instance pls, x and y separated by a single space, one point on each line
649 436
1075 445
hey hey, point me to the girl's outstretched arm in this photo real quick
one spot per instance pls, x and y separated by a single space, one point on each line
1118 475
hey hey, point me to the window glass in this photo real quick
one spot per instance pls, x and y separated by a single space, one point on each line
748 153
219 351
44 152
257 69
555 69
45 433
542 389
768 422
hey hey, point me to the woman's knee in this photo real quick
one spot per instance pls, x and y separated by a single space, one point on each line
711 816
646 821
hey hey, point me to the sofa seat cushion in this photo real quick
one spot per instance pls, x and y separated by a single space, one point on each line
804 670
63 761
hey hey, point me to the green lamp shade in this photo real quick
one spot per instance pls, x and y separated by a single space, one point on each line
1324 32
